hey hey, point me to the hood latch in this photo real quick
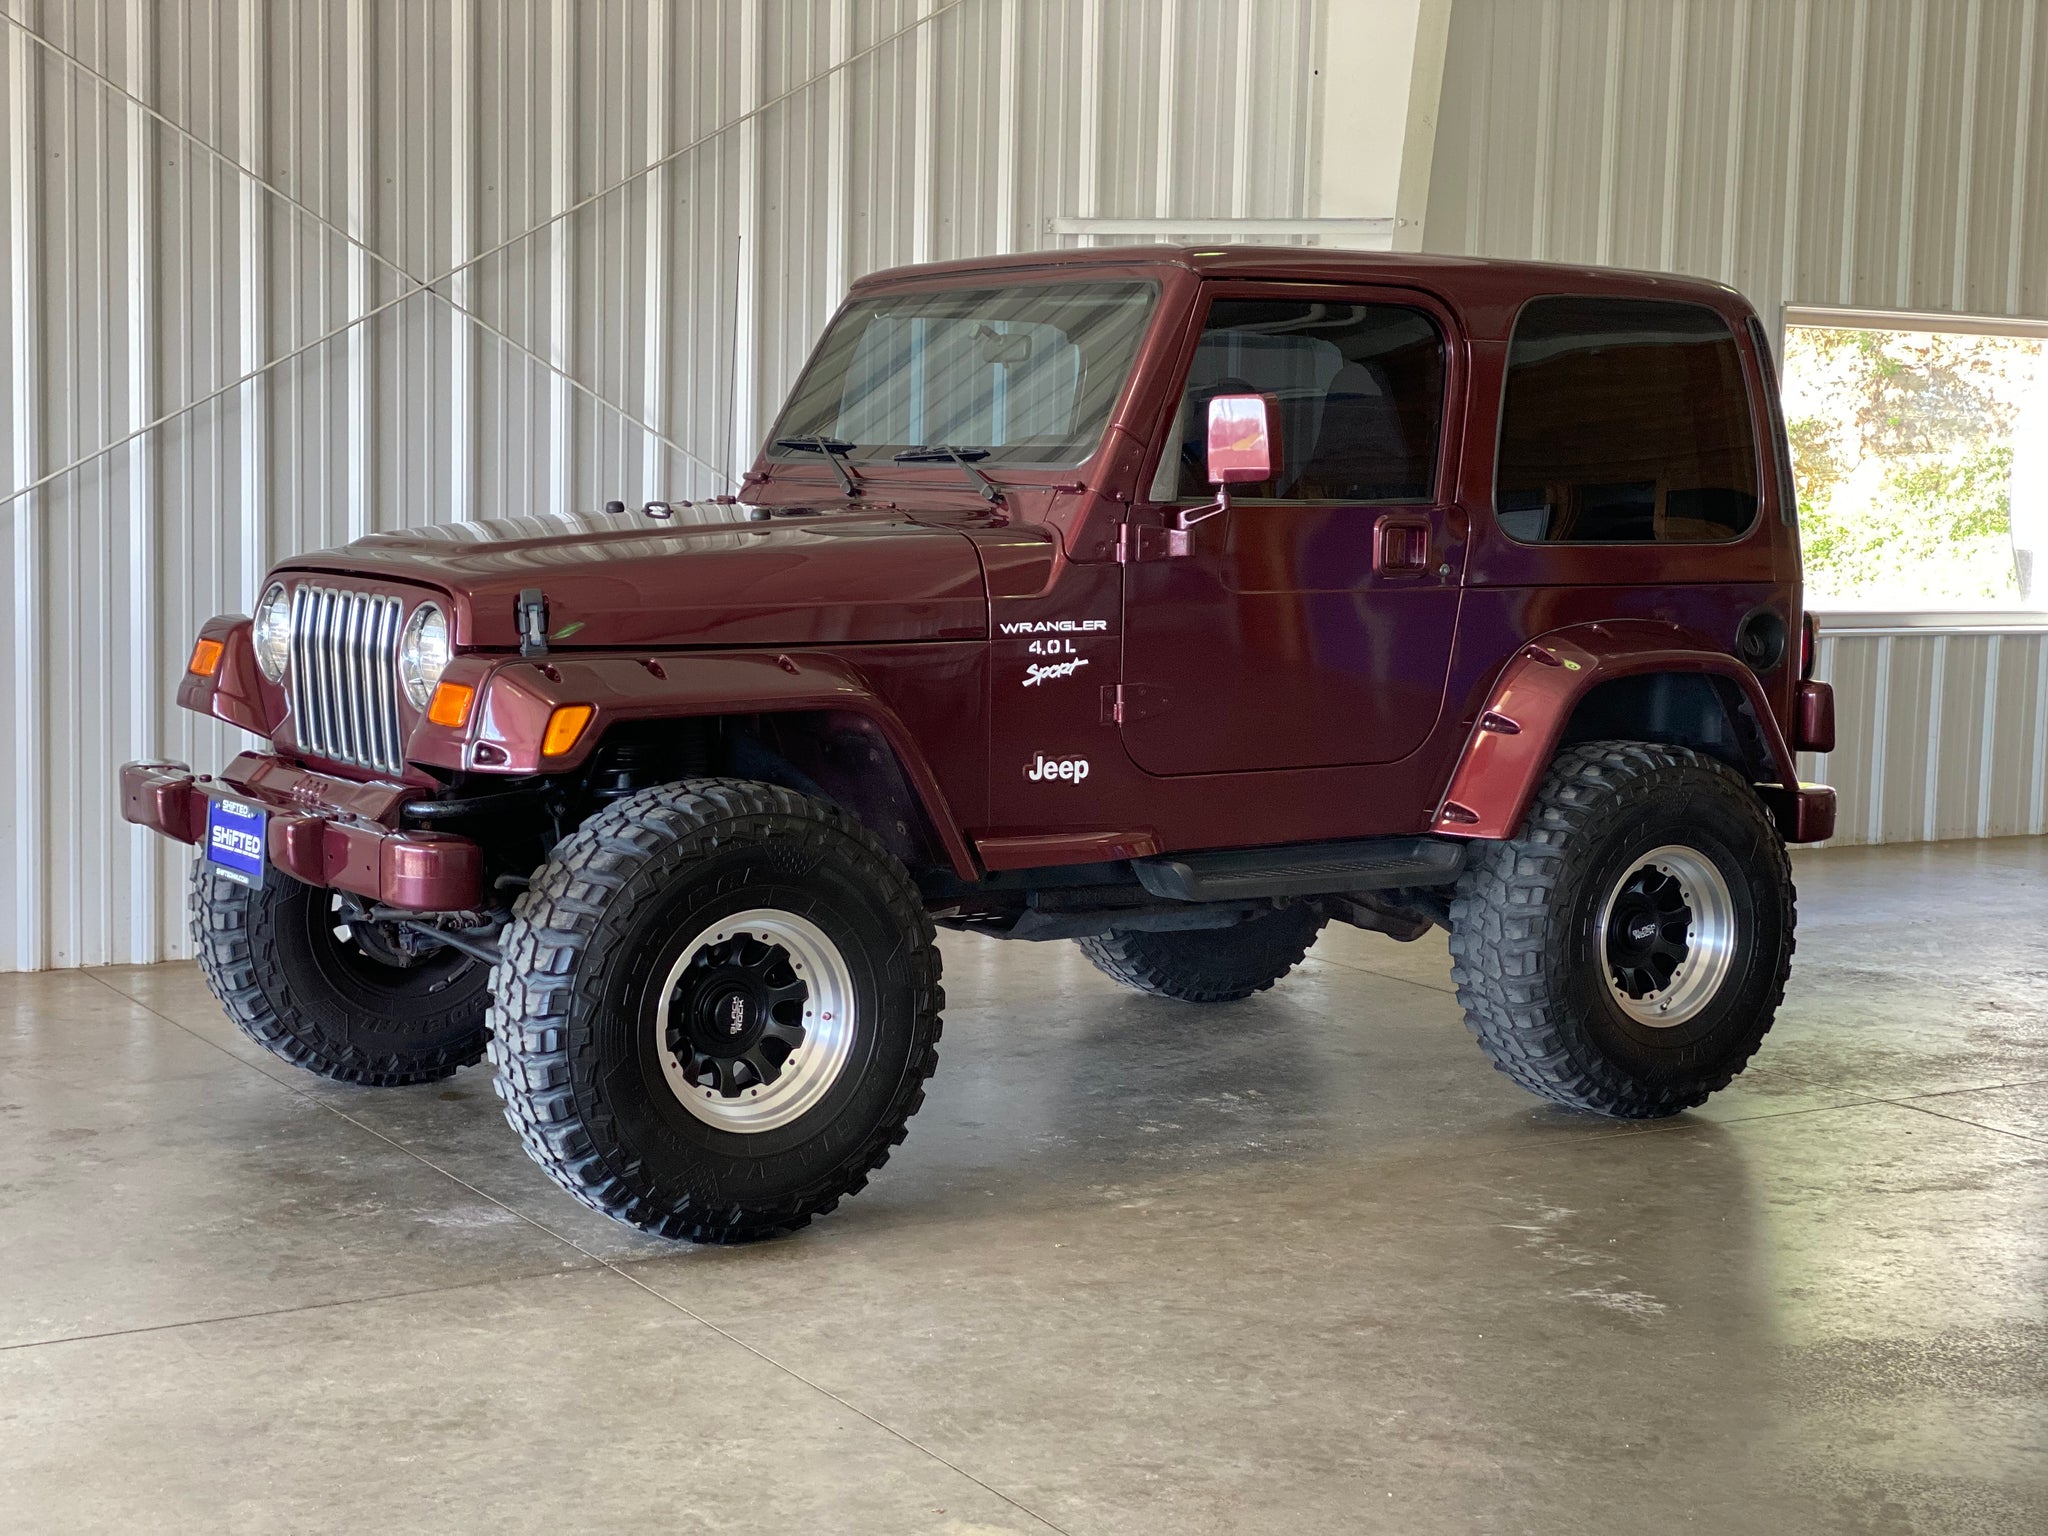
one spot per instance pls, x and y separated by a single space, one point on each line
533 622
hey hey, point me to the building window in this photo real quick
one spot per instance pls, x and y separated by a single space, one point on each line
1625 421
1921 457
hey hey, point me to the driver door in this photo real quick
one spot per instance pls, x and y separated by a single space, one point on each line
1311 625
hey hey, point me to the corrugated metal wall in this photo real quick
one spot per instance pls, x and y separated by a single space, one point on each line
1876 154
1942 732
275 275
1868 154
341 265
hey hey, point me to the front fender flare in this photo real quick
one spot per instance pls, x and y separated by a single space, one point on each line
1517 733
236 692
517 696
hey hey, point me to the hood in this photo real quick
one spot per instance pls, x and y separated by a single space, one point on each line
611 583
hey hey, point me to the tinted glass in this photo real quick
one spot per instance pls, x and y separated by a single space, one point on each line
1361 392
1781 447
1029 373
1625 421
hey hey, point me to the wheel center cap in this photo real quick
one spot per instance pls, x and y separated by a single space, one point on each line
728 1021
735 1011
1634 930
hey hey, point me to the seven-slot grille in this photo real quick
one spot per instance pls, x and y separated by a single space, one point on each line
344 676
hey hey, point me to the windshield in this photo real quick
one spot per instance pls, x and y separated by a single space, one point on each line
1028 373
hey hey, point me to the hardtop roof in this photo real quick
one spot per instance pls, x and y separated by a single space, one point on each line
1475 277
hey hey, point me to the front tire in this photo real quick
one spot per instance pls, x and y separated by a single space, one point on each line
1207 965
1626 954
347 1001
718 1005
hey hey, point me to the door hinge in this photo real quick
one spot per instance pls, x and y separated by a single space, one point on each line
1126 703
1142 541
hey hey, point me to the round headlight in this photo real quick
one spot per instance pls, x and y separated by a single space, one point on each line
273 632
423 653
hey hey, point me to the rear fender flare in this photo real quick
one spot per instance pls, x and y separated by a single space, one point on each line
1517 733
517 697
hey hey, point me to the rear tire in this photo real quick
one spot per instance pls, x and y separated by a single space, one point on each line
354 1009
1207 965
1626 954
718 1005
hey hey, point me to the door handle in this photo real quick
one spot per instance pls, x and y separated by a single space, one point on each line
1400 544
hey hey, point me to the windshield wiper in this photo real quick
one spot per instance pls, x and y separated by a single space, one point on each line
835 450
965 458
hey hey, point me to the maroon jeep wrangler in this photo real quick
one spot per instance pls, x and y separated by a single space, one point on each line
1175 602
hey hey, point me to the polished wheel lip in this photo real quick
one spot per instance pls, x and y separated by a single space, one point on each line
1709 937
829 1023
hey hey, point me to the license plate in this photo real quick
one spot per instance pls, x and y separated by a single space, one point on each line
234 840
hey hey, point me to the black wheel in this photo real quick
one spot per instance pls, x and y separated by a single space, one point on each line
717 1009
1627 952
355 1001
1207 965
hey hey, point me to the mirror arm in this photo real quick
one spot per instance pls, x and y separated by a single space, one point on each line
1185 518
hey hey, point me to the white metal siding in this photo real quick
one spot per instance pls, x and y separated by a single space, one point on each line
1867 154
358 264
1942 733
255 281
1874 154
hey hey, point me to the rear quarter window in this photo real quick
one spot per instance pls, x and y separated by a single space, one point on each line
1624 421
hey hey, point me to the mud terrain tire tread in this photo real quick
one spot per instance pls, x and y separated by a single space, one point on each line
248 979
542 980
1507 928
1211 965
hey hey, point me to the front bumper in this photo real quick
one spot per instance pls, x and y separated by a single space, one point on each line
323 831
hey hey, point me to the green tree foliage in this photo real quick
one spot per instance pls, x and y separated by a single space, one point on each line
1902 447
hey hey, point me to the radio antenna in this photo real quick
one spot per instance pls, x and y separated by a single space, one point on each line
732 360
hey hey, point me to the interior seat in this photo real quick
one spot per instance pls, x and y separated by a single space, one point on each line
1362 452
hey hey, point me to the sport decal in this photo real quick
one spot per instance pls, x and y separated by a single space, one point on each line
1039 672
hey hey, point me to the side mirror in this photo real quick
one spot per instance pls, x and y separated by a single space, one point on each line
1244 439
1244 448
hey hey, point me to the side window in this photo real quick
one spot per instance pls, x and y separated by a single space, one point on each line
1360 387
1781 446
1624 421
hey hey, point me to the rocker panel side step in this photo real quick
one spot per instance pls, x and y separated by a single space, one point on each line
1307 869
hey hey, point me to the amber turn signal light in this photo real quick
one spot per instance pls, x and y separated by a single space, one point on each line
450 704
206 656
564 726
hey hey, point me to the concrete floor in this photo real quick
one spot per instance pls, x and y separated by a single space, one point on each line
1302 1264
